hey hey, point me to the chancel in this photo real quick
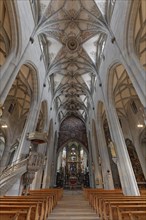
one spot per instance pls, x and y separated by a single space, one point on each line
72 109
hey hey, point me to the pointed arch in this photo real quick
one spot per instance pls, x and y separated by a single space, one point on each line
10 31
135 40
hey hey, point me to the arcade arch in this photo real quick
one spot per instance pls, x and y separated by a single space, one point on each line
8 36
17 106
129 109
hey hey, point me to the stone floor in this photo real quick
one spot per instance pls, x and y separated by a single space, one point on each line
73 206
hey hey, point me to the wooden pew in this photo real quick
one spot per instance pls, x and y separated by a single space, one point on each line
47 201
112 204
55 193
38 207
105 203
35 206
116 207
58 192
15 214
89 191
51 195
131 212
92 197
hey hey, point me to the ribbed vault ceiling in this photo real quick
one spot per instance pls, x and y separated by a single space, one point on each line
73 34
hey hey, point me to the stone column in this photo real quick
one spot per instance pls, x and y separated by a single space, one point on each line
59 161
47 172
85 160
54 162
104 156
126 173
91 163
97 170
36 184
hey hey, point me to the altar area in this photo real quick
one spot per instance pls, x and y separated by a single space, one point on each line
72 167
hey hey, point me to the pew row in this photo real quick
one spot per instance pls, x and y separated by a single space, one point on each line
37 205
113 205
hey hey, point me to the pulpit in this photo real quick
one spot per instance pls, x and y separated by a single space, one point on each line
38 137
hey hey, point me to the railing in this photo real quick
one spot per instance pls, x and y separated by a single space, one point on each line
14 166
28 165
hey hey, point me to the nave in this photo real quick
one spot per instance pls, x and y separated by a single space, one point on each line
72 108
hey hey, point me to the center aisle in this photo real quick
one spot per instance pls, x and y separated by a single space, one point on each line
73 206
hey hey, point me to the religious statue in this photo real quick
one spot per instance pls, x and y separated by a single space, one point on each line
112 149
